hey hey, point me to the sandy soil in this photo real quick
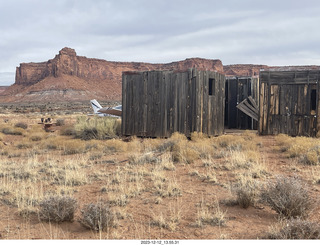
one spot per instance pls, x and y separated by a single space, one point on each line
141 210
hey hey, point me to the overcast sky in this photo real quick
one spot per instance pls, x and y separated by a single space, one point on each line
270 32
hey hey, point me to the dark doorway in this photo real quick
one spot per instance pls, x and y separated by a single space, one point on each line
237 90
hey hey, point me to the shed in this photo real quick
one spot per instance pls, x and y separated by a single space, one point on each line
289 102
242 101
159 103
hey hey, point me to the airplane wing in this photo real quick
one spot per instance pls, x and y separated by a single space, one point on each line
111 111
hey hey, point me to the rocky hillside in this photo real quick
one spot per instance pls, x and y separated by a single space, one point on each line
69 77
3 88
77 78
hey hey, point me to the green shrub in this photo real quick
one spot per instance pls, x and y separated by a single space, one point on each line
57 209
288 197
97 128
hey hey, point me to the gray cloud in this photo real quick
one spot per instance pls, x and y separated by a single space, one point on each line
248 31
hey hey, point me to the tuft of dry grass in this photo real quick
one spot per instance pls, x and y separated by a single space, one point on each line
247 190
210 215
171 220
306 150
70 147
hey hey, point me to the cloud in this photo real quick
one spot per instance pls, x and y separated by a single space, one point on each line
249 31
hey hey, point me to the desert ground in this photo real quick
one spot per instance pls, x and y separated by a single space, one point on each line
221 187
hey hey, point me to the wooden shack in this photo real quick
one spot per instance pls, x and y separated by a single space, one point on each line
242 101
289 102
159 103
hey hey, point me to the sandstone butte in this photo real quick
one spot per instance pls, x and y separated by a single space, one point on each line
69 77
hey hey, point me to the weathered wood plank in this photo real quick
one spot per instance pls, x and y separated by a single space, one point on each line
124 103
205 103
158 103
247 109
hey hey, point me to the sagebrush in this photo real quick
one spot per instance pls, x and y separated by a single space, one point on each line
97 216
296 229
288 196
57 209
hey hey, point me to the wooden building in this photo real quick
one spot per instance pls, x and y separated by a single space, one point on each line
242 101
289 102
159 103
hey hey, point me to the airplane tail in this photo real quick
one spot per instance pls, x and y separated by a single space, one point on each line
95 105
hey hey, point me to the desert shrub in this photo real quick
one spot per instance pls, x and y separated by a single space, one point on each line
21 125
12 131
138 159
97 216
304 148
35 137
296 229
211 215
68 131
246 191
182 151
60 122
117 145
57 209
311 157
166 146
24 146
288 196
163 222
73 147
231 142
97 128
237 160
50 143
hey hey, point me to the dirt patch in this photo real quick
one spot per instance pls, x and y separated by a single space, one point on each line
152 199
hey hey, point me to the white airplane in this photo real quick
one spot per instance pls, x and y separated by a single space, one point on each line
106 111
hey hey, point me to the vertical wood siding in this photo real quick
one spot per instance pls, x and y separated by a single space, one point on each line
286 102
159 103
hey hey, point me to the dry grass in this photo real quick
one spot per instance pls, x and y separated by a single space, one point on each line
210 214
97 128
152 186
288 196
97 216
247 191
57 209
295 229
306 150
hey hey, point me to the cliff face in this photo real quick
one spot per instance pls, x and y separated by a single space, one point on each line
243 70
71 77
68 63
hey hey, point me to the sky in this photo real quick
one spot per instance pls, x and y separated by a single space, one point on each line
268 32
